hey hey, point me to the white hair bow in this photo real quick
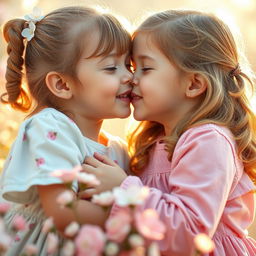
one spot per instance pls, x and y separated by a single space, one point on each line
32 19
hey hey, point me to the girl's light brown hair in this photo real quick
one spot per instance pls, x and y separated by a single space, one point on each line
200 43
57 46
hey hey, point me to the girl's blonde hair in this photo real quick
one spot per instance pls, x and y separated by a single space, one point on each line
200 43
57 46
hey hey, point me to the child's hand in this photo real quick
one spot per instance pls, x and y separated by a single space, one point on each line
106 171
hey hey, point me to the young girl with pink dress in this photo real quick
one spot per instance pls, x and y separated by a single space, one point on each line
195 147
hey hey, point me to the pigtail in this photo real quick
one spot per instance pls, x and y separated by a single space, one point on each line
16 95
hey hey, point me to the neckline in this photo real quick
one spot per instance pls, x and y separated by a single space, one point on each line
93 143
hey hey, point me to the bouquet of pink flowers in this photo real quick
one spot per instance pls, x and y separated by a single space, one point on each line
131 232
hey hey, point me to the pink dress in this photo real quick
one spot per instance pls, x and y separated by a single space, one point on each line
203 189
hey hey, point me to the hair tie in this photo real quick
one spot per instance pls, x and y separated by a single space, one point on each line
32 19
235 72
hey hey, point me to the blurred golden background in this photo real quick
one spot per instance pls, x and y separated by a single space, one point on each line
238 14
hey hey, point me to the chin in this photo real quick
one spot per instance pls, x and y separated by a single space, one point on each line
139 117
125 115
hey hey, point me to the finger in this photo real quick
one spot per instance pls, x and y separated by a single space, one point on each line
90 160
104 159
88 169
88 193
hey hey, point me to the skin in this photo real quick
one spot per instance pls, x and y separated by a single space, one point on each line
94 96
161 93
162 87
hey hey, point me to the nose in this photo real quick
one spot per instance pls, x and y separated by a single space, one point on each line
134 80
127 77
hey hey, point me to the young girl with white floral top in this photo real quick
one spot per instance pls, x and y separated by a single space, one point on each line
75 63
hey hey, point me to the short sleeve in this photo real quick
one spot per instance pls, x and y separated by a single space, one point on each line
46 142
203 170
119 152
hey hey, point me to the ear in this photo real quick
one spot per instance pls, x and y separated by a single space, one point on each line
197 86
58 85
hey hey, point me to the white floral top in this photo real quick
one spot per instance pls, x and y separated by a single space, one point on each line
47 141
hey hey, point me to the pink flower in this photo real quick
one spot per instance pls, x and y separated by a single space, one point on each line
4 207
118 226
30 250
103 199
52 243
133 195
71 229
52 135
67 175
19 223
149 225
88 179
48 225
90 241
66 198
39 161
203 243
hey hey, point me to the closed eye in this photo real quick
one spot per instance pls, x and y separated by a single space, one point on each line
146 69
110 68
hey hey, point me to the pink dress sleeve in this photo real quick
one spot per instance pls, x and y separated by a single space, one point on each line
203 170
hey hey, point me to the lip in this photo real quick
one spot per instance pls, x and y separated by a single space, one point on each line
125 96
135 97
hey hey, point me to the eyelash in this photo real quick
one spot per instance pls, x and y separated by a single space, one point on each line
146 69
111 69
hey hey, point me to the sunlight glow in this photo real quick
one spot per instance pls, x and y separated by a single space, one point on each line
101 9
28 5
229 19
244 4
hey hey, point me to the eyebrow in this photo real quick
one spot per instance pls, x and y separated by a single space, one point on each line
112 55
143 57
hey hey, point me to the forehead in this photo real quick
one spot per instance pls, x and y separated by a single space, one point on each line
89 43
143 46
100 44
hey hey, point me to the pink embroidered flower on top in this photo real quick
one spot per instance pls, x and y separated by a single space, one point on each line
40 161
16 238
24 137
52 135
31 225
